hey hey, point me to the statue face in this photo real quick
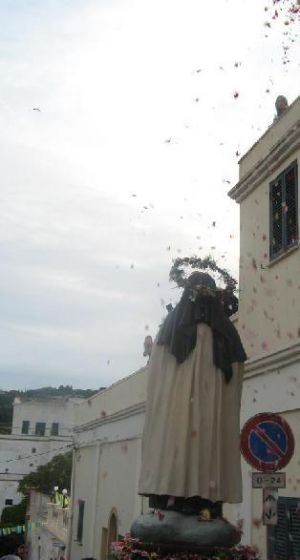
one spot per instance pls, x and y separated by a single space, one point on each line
281 104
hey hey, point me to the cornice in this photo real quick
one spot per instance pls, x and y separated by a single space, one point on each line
10 477
115 417
279 153
253 367
271 362
36 439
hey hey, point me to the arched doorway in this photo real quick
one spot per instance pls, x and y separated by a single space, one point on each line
112 535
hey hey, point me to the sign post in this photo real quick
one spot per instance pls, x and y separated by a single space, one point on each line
267 444
270 499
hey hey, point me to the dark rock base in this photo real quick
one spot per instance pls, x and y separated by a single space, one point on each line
174 531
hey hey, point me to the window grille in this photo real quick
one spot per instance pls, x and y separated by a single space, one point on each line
284 538
284 211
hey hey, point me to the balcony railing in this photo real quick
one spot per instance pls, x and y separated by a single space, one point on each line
58 521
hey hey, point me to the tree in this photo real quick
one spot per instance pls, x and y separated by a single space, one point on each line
55 473
10 517
14 515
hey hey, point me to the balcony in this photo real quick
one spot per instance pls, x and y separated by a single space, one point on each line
57 521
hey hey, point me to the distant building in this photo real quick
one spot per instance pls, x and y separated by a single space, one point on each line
41 429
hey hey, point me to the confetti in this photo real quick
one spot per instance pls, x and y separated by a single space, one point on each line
264 345
256 522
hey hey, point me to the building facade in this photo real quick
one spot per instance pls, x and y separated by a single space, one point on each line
41 429
106 465
269 314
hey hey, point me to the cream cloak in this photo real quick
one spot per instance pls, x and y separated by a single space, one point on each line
191 439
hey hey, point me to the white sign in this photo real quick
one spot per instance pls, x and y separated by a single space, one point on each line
270 499
267 480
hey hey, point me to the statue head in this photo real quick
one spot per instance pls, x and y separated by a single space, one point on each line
281 104
203 279
148 343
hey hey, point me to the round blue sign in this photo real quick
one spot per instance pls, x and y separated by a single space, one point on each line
267 442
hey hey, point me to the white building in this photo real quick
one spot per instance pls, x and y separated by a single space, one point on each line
106 465
41 429
109 425
269 313
46 417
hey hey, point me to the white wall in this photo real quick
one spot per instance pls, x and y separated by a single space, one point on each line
18 458
107 463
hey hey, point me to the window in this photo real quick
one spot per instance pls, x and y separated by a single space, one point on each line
33 450
25 427
54 429
284 211
80 520
9 502
284 538
40 428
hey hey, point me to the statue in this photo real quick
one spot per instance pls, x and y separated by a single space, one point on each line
191 459
148 343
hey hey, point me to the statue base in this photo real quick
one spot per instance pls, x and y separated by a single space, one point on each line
168 531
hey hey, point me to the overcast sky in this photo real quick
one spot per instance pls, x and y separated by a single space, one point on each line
121 129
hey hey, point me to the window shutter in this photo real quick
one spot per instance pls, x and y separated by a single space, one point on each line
287 530
80 520
281 532
290 206
276 222
295 529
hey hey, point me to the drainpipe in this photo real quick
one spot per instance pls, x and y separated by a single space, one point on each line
100 444
70 531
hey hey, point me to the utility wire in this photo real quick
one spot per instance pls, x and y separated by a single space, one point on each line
36 454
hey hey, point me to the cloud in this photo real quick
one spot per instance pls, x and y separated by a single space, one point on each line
84 263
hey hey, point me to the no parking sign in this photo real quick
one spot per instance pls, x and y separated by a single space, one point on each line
267 444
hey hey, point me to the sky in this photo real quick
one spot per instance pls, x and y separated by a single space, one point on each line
122 125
